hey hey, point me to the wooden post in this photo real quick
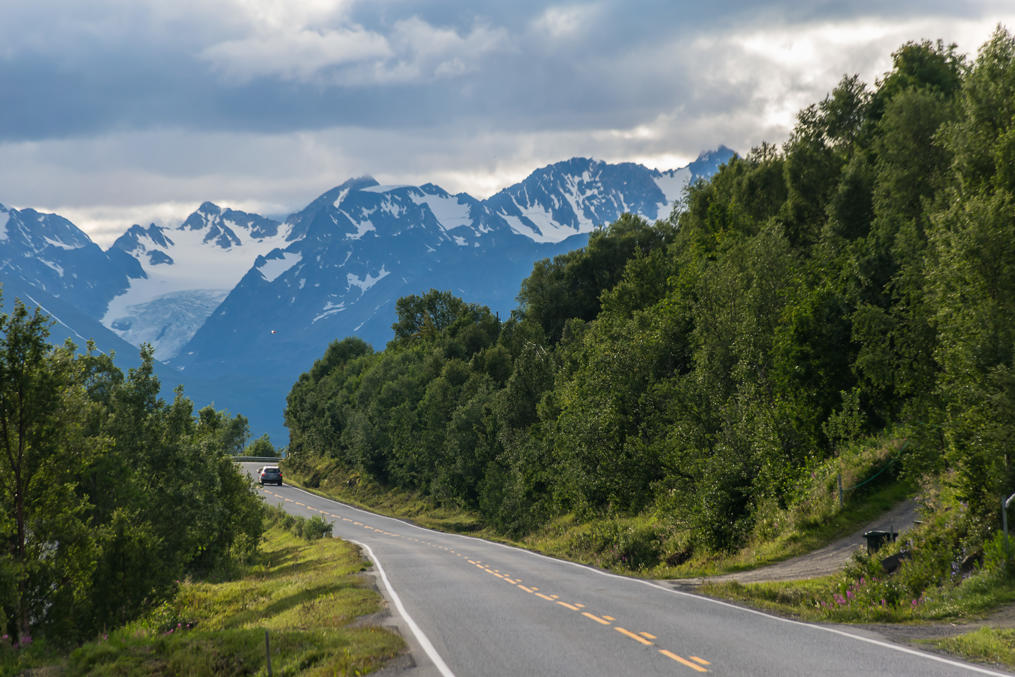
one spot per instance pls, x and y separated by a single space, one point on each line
267 650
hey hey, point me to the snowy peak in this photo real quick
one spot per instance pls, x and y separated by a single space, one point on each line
185 272
227 228
37 232
575 196
51 254
709 161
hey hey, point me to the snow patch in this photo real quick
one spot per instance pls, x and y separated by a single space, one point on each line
450 212
61 245
368 281
672 184
5 217
363 226
341 196
272 268
329 309
543 228
50 264
385 189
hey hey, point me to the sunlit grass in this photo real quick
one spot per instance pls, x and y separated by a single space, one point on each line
991 645
305 594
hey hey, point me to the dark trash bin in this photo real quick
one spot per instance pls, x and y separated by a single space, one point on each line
876 539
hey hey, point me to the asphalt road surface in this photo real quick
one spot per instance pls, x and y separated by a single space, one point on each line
476 608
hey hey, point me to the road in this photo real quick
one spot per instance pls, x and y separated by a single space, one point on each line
479 608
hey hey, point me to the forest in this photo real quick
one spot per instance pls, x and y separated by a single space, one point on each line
856 282
109 496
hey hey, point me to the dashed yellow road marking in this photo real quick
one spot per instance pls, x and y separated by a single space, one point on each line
643 637
628 633
683 661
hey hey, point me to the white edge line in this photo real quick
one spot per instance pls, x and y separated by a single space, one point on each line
835 631
424 642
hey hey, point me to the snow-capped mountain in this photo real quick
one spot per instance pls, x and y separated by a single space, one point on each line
185 272
239 304
49 253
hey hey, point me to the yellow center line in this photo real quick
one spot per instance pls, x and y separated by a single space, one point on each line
529 590
609 618
597 619
683 661
700 660
569 606
298 503
512 582
648 635
288 500
628 633
498 575
546 597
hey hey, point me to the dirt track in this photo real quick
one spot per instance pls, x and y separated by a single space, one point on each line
821 562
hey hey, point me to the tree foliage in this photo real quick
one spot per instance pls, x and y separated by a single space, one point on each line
108 495
859 278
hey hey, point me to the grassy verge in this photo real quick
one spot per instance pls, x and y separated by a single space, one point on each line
988 645
331 481
647 545
306 595
820 599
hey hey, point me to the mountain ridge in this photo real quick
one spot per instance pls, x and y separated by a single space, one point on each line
248 302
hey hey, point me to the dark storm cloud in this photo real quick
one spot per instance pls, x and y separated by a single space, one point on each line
71 68
121 111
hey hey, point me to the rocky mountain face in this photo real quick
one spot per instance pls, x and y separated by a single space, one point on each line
238 305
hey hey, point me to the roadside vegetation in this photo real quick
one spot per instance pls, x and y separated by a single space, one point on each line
988 645
308 595
685 396
108 494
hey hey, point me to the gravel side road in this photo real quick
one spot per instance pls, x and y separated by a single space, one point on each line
821 562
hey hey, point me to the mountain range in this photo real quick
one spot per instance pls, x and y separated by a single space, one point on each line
237 305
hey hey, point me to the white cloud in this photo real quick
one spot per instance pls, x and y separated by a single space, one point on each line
565 21
292 47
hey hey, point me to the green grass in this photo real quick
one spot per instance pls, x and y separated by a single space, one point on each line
651 544
989 645
815 599
306 595
330 480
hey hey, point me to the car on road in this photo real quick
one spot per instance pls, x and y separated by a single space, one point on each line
270 474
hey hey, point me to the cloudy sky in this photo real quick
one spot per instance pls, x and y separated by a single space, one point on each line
121 111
